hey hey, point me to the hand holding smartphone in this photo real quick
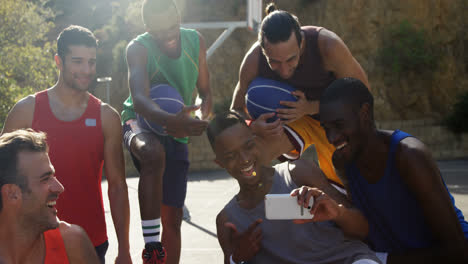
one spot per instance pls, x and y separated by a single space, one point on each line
285 207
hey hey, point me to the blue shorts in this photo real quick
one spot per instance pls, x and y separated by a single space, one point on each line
177 164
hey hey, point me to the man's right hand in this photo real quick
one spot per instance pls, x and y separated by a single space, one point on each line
246 245
266 130
183 124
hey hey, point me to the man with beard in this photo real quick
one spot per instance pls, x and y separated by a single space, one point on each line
164 54
393 179
29 229
308 58
84 135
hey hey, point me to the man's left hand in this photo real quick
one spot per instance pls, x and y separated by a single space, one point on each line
297 109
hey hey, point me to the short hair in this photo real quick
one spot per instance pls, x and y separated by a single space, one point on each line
11 144
278 25
150 8
222 122
74 35
348 90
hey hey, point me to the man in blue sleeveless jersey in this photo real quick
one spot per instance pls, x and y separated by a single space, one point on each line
393 179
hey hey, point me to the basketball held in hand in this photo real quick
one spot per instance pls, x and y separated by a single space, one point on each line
264 96
168 99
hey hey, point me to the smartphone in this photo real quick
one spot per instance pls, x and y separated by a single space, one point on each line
284 206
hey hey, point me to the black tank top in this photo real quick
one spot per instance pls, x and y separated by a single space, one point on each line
310 75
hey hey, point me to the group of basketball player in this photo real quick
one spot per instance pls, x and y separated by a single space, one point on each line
379 196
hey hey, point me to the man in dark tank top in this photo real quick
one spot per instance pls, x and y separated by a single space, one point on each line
393 180
244 233
308 58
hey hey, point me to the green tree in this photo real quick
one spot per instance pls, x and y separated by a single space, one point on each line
26 57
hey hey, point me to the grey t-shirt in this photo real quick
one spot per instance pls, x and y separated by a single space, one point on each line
286 242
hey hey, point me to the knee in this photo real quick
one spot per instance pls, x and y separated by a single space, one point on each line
150 153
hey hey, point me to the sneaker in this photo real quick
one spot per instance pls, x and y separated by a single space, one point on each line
154 253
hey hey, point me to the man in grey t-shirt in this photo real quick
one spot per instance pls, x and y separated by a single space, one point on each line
243 232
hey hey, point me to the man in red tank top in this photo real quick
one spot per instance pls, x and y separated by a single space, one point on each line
308 58
84 136
29 228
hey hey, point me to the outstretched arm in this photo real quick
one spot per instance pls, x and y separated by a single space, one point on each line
115 173
329 203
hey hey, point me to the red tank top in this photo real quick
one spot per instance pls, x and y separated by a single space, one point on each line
310 75
76 151
55 248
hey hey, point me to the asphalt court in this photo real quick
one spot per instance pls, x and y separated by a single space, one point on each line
207 194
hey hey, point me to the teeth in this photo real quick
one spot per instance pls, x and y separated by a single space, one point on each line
52 203
248 168
342 145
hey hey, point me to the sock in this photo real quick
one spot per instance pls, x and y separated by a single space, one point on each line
151 230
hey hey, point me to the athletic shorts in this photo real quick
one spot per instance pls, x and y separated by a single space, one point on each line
177 164
307 131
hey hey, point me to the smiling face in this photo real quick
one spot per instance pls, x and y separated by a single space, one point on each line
164 27
237 152
38 202
344 129
283 57
78 68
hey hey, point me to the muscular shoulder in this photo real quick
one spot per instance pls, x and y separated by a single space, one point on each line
77 244
221 218
110 118
73 236
136 50
328 42
412 152
70 232
21 115
249 66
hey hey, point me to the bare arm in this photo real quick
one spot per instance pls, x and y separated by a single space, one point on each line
203 81
338 59
350 220
139 84
248 71
224 236
21 115
177 125
115 173
77 244
422 176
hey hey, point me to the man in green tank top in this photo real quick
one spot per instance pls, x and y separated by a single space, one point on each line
165 54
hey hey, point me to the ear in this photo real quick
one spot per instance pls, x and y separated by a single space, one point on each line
364 113
11 193
58 61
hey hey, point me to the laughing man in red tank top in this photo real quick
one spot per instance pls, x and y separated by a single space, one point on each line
29 229
84 136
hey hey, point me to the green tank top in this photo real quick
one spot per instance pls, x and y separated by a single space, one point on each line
180 73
